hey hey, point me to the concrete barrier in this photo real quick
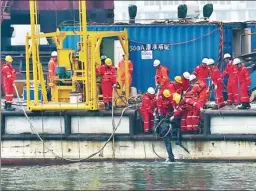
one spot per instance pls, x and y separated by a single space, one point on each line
98 125
94 122
46 124
230 121
233 125
199 150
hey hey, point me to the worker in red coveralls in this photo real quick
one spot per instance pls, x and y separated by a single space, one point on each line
121 66
199 87
185 109
165 104
175 86
52 65
201 94
108 73
9 75
162 79
202 100
147 109
191 105
185 82
244 81
218 84
202 71
232 85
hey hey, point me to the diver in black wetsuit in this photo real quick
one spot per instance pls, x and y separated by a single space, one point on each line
166 131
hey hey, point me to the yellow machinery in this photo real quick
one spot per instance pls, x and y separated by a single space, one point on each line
82 67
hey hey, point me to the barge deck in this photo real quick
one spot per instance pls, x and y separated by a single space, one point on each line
72 136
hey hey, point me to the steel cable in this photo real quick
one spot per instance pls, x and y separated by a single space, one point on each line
57 155
179 43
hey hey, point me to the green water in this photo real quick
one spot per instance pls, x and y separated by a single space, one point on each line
131 176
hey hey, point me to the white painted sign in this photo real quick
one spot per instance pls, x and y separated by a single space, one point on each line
147 47
145 55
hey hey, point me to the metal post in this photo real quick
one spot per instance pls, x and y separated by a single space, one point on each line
83 30
127 88
93 74
27 71
33 12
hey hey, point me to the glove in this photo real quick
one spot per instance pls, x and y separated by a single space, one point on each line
215 87
114 86
171 118
184 92
51 84
201 109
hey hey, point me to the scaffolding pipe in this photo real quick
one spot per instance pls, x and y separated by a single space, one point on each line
33 12
27 70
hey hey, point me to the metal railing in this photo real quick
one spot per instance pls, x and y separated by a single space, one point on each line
4 6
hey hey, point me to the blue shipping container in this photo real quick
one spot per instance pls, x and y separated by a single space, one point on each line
180 47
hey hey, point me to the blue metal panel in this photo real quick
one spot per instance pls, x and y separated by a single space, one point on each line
253 79
184 47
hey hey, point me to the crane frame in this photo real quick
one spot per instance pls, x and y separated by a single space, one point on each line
88 56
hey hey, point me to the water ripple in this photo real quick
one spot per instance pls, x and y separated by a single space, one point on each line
131 176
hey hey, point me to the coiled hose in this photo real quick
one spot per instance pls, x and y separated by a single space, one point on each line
68 159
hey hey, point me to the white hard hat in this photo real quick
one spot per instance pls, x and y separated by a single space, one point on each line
156 62
236 61
210 62
205 60
151 90
227 55
186 75
54 53
192 77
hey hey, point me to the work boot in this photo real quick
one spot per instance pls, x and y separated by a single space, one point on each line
245 106
215 107
110 105
9 107
106 106
5 105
